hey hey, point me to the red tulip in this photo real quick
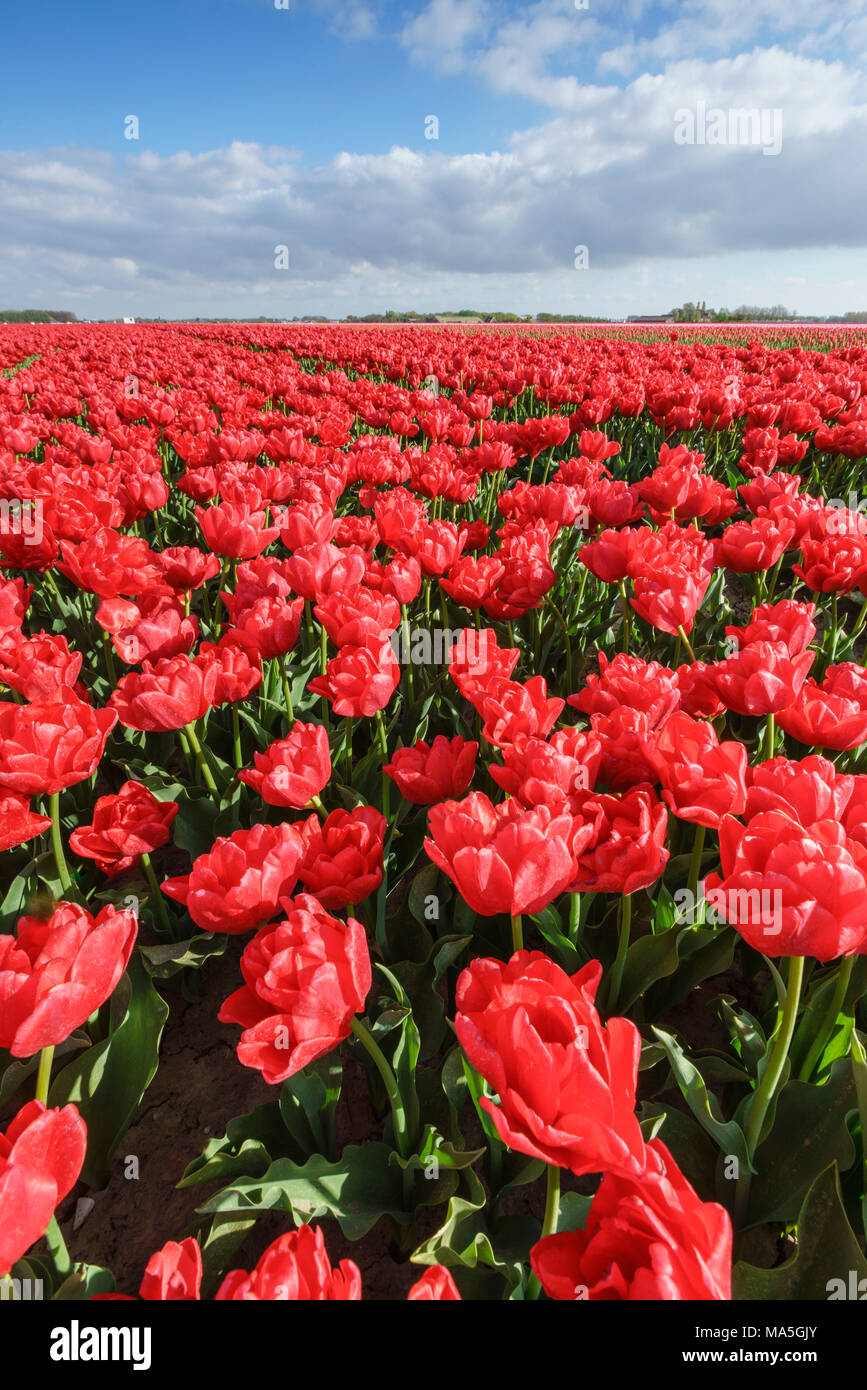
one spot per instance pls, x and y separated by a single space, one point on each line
761 678
476 659
809 790
702 779
648 1237
430 772
748 547
154 629
436 1285
185 568
501 858
317 570
295 1268
109 564
566 1085
627 851
294 769
269 625
238 667
173 1273
238 884
52 743
787 622
669 600
342 861
41 1155
57 971
627 680
832 714
359 680
166 696
305 979
834 564
39 666
17 822
356 617
124 827
792 890
514 713
235 530
557 774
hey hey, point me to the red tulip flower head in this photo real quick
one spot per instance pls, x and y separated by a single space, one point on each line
566 1085
57 970
648 1237
304 981
41 1155
239 883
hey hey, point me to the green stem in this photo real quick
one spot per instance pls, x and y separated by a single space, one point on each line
287 695
859 1067
57 1247
382 892
517 934
575 918
224 574
182 738
859 621
56 1243
383 748
236 739
549 1221
552 1202
829 1018
685 640
347 750
834 629
772 580
157 896
626 610
770 737
200 759
695 866
110 667
206 608
57 842
52 582
562 621
43 1075
406 653
764 1093
398 1112
622 948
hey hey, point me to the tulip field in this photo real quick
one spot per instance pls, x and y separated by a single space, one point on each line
433 813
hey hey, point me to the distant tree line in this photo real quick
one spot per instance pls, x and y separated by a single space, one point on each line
36 316
745 313
482 315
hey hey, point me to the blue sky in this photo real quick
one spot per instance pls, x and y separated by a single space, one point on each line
304 127
202 73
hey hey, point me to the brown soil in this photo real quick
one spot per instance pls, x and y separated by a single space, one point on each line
199 1087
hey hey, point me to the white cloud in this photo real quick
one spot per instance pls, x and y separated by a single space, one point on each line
439 35
188 233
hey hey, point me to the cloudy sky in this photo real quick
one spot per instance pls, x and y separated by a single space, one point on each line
309 125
